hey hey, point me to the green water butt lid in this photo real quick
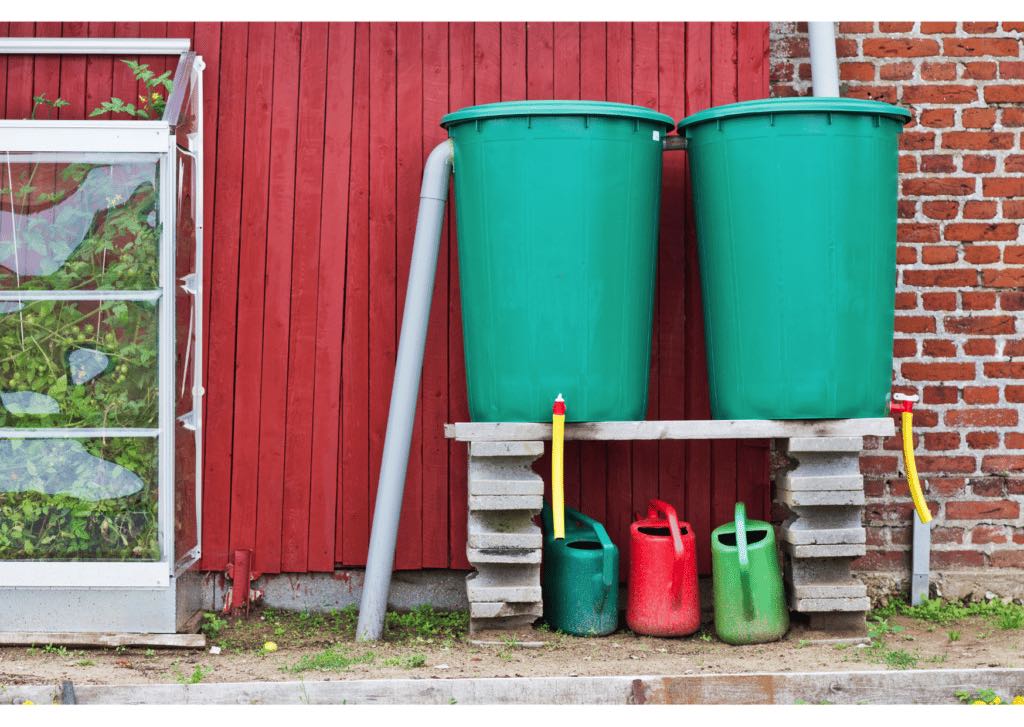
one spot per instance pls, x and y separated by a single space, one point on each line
555 108
798 104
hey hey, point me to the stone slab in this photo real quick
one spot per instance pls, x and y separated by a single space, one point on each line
802 498
840 550
505 487
506 502
807 605
510 593
795 445
850 589
506 449
796 481
500 609
838 536
503 555
491 540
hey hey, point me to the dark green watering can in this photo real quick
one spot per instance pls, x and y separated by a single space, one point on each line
750 602
581 576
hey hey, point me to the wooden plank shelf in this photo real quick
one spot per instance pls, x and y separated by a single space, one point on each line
679 429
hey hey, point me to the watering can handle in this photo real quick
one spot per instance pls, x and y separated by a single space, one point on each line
655 506
607 546
744 559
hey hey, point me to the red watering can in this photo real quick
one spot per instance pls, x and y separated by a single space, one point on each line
663 596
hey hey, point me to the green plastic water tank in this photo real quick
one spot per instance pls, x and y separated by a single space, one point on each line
557 207
795 203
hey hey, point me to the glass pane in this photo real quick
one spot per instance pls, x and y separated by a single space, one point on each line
79 499
186 526
78 364
185 265
74 221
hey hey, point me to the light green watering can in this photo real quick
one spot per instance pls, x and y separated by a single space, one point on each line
750 602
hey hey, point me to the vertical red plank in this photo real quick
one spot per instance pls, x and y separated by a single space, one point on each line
5 30
99 71
434 389
272 335
252 266
19 90
383 321
698 453
355 369
460 93
305 261
619 88
337 153
46 71
540 60
226 192
753 486
409 169
723 452
645 93
594 485
123 84
72 76
671 341
486 63
513 61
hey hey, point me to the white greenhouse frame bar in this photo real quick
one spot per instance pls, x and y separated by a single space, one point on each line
143 596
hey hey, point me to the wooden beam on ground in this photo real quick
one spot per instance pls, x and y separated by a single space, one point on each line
101 639
684 429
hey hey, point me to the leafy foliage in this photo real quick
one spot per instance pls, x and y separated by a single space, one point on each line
150 105
41 100
1007 616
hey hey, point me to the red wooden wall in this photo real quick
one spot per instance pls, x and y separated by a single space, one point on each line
315 139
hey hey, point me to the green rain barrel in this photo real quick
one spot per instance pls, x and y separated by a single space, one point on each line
557 207
795 203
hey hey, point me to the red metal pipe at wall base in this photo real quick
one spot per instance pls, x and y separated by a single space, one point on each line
241 594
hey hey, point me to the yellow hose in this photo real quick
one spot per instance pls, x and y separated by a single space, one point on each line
557 473
906 424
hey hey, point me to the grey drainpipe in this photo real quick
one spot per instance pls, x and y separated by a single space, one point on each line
824 66
404 393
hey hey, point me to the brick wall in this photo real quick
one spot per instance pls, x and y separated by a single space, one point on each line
960 293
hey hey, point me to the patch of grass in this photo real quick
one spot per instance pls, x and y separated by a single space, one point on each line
953 635
213 625
60 651
424 623
197 675
705 635
1006 616
899 659
149 653
85 662
802 643
331 659
880 652
409 661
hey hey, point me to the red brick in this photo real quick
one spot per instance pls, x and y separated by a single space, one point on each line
1011 27
942 163
900 47
908 164
1013 255
1015 486
939 301
1014 440
941 395
1014 394
982 510
904 348
939 349
804 72
982 440
934 27
1013 209
896 71
980 70
926 419
1010 278
980 325
881 560
977 210
947 535
895 442
980 47
906 208
906 300
857 72
937 210
939 186
1004 94
978 300
940 94
1003 463
981 417
906 254
981 254
1004 370
1014 349
873 93
977 118
845 48
938 371
942 255
1011 69
915 324
975 231
874 537
892 27
940 441
945 486
979 28
917 140
889 512
1012 558
980 347
877 464
1011 116
874 487
1011 300
938 71
928 463
977 140
1004 187
988 486
956 559
940 278
1014 163
847 28
988 534
981 394
914 232
978 163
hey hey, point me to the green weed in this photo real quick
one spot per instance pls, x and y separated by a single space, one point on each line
953 635
198 674
1006 616
85 662
331 659
410 661
213 625
424 623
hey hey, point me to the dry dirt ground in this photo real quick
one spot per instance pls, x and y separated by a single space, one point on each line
428 645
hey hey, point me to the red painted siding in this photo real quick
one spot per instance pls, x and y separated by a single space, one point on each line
316 136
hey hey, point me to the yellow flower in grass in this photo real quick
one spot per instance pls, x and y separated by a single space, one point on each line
1019 699
270 646
978 701
997 700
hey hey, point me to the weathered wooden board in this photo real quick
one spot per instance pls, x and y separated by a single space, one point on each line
106 639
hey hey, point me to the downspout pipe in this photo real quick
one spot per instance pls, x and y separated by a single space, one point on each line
824 66
404 393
